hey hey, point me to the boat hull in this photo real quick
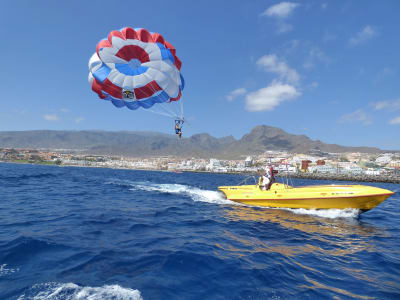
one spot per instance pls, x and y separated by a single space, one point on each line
308 197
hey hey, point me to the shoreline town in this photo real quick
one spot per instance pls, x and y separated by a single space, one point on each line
367 167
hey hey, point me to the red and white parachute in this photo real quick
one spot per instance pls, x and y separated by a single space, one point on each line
136 68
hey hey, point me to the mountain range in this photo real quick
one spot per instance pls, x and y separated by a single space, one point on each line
144 144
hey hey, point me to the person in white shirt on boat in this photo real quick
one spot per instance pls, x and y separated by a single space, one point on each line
266 178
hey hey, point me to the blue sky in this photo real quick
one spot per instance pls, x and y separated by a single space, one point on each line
326 69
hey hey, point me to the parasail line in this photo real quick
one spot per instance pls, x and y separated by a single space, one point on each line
181 103
159 112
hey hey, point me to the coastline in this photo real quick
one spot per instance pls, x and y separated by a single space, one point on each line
321 176
302 175
347 177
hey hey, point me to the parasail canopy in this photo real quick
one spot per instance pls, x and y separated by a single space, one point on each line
136 68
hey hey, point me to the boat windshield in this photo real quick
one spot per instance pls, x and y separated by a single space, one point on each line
249 180
284 179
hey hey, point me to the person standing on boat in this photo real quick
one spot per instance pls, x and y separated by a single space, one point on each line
267 179
271 174
264 180
260 178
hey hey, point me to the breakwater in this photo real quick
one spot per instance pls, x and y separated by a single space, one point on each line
348 177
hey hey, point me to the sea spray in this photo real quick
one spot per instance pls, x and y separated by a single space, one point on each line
196 194
216 197
53 291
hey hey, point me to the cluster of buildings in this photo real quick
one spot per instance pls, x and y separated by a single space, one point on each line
26 155
285 162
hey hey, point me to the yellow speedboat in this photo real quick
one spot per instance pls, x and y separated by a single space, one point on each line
309 197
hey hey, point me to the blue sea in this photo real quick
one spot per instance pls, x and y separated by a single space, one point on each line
94 233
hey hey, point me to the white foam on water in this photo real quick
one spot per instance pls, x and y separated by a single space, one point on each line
53 290
217 197
195 193
6 271
119 182
327 213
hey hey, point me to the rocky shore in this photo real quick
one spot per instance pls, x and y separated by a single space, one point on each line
349 177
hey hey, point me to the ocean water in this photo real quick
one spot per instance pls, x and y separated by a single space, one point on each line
92 233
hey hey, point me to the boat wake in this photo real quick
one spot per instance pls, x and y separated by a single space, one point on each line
327 213
53 290
196 194
216 197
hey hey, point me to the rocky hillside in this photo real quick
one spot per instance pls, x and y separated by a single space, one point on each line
141 144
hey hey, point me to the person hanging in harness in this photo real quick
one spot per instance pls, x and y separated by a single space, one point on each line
178 127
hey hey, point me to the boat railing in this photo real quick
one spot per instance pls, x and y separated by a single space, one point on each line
247 179
253 180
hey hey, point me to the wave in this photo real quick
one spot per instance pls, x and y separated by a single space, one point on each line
23 250
6 271
327 213
53 290
25 177
216 197
120 182
196 194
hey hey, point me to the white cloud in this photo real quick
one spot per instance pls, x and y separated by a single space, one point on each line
284 27
315 56
395 121
268 98
312 54
78 120
235 93
292 45
280 10
365 34
51 117
64 110
386 105
355 117
271 63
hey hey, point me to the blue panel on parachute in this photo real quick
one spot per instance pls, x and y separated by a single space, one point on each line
165 53
147 103
102 73
132 104
182 82
118 103
128 70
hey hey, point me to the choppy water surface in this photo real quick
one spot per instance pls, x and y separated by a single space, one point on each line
82 233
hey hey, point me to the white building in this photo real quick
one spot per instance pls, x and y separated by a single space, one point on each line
373 172
248 161
213 165
384 158
284 168
355 170
323 169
